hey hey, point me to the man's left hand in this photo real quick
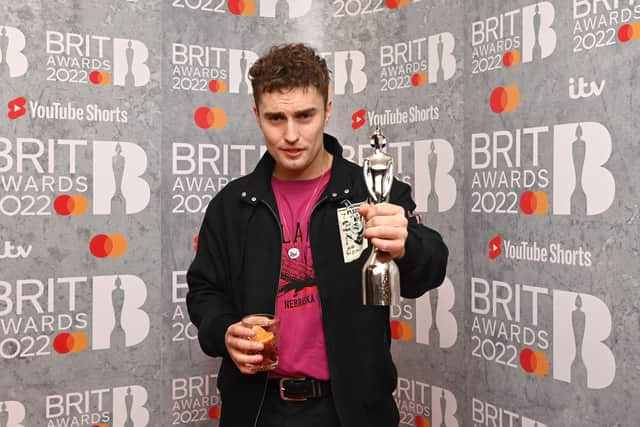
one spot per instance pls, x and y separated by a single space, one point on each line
386 226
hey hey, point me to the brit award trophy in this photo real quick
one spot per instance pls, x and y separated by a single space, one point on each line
380 275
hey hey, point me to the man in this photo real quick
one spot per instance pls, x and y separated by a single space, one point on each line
284 240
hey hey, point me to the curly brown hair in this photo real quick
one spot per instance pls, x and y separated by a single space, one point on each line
289 66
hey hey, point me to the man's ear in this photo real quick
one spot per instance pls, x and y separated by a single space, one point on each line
256 114
327 112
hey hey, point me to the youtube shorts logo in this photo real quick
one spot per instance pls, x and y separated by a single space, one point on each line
358 119
17 108
495 247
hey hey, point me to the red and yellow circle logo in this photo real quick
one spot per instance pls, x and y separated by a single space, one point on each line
505 99
394 4
422 421
534 362
242 7
100 77
419 79
218 86
210 118
629 32
534 203
511 58
215 412
402 331
73 342
102 246
70 205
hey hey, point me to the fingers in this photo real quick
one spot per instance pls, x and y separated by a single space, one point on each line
381 209
386 227
241 349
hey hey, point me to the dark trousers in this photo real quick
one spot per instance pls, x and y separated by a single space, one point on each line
309 413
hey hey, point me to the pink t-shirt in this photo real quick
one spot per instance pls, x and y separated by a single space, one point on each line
302 347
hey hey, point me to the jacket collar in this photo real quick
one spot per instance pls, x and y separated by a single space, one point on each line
258 184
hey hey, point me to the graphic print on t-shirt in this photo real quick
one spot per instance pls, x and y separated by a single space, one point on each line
298 306
297 286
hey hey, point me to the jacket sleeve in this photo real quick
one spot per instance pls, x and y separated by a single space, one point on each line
210 298
424 264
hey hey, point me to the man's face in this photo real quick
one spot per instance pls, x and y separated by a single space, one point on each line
292 122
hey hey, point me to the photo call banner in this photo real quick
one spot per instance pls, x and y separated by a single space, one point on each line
515 123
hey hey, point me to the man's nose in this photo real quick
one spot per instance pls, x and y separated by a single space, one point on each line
291 134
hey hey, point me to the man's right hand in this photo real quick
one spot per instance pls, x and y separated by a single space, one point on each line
240 348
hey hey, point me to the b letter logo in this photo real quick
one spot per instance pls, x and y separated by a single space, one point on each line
12 414
13 62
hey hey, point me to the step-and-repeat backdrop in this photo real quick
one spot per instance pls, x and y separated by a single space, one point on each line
514 121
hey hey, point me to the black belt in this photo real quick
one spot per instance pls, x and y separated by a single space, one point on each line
300 388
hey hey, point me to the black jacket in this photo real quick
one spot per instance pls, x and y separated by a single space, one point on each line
236 271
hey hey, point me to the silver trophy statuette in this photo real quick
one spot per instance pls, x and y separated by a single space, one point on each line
380 275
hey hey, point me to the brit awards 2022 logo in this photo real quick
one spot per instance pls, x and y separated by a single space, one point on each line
417 62
513 37
195 399
124 406
99 60
424 405
202 170
44 317
598 23
181 328
44 177
12 414
507 329
354 8
511 176
278 9
485 414
13 61
197 67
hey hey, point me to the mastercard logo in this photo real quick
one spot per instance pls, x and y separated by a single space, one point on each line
195 243
100 425
511 58
505 99
210 118
73 342
401 331
535 362
629 32
394 4
102 246
242 7
218 86
422 421
70 205
100 77
419 79
214 412
534 203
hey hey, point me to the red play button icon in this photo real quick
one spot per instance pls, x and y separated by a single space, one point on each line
495 247
17 108
358 118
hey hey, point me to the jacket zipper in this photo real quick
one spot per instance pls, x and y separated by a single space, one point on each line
266 379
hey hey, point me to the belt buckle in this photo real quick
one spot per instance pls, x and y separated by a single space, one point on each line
292 399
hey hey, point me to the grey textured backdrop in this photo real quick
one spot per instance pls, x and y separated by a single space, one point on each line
513 121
